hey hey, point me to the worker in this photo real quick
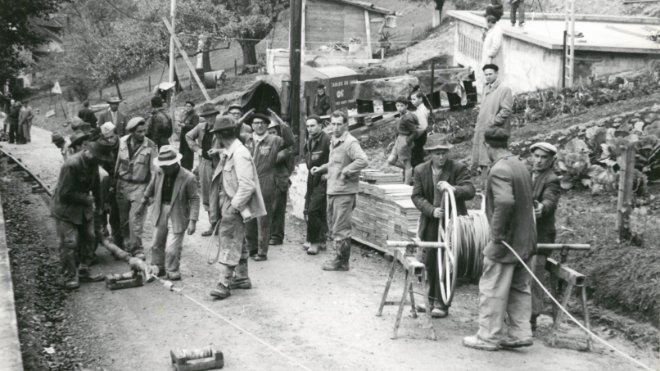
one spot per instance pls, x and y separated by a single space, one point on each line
431 179
77 142
343 168
236 181
110 213
190 121
495 110
133 172
401 155
546 192
282 178
114 115
321 105
201 140
317 153
423 115
25 118
173 192
491 52
267 151
236 111
87 115
504 286
73 202
58 140
159 127
518 6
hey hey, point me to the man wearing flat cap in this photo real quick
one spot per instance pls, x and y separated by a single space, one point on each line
505 284
431 179
72 207
159 125
546 192
236 182
113 115
267 151
175 208
133 172
201 140
494 111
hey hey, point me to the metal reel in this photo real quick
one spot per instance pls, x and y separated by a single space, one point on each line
447 257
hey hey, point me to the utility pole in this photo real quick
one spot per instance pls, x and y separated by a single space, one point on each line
295 46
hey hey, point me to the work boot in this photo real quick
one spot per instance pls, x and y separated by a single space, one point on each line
532 322
84 275
517 343
306 245
241 280
313 249
340 262
72 284
209 231
476 342
274 241
222 290
174 276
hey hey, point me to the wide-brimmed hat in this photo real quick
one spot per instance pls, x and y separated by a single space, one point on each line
167 155
223 122
544 146
258 116
100 152
135 121
208 109
437 141
77 137
113 100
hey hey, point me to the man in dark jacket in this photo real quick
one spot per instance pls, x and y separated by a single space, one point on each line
113 115
321 105
75 197
88 115
14 112
189 122
505 287
546 192
317 153
159 128
431 179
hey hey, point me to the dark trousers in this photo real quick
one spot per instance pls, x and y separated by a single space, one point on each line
115 222
518 7
257 231
418 150
77 245
279 208
317 222
13 133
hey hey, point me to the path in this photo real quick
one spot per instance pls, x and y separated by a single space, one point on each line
324 320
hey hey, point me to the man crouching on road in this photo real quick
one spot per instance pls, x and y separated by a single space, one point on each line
235 179
431 179
505 285
73 203
176 206
346 160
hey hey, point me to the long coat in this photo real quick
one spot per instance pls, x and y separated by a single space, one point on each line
184 202
510 210
495 110
120 124
423 194
546 190
317 153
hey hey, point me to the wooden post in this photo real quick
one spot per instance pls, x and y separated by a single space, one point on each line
367 23
294 63
624 204
432 81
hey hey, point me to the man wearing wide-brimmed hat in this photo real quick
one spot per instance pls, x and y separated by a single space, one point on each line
236 181
431 179
73 202
267 152
175 208
133 172
546 192
113 115
201 140
77 142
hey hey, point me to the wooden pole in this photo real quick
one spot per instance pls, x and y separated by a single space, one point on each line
294 64
624 204
432 81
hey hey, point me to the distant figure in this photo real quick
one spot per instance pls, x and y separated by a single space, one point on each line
495 110
14 112
25 117
159 127
401 155
190 121
321 104
518 6
317 153
496 9
236 111
491 52
87 114
112 114
423 114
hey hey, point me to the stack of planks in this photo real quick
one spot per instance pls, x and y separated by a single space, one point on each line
383 212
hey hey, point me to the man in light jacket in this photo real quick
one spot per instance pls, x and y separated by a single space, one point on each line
346 161
237 183
175 207
505 284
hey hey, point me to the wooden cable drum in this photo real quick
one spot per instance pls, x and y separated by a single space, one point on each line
465 237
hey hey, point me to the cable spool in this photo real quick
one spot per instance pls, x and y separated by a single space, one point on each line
465 237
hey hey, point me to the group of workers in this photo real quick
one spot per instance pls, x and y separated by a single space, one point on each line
18 122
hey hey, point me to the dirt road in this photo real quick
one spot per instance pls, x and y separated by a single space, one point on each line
314 319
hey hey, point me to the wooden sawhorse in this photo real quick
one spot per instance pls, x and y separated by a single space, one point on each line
412 268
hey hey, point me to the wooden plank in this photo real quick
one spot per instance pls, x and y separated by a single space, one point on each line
367 26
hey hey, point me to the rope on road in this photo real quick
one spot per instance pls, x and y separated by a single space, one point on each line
625 355
170 286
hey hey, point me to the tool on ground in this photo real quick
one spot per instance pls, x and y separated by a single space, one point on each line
207 358
404 254
126 280
149 272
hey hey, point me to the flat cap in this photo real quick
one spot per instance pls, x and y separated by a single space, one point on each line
490 66
135 121
544 146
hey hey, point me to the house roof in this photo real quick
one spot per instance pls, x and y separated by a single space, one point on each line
600 33
365 5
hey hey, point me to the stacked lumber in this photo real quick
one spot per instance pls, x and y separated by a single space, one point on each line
380 177
384 212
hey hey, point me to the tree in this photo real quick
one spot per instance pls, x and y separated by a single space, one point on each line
19 32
